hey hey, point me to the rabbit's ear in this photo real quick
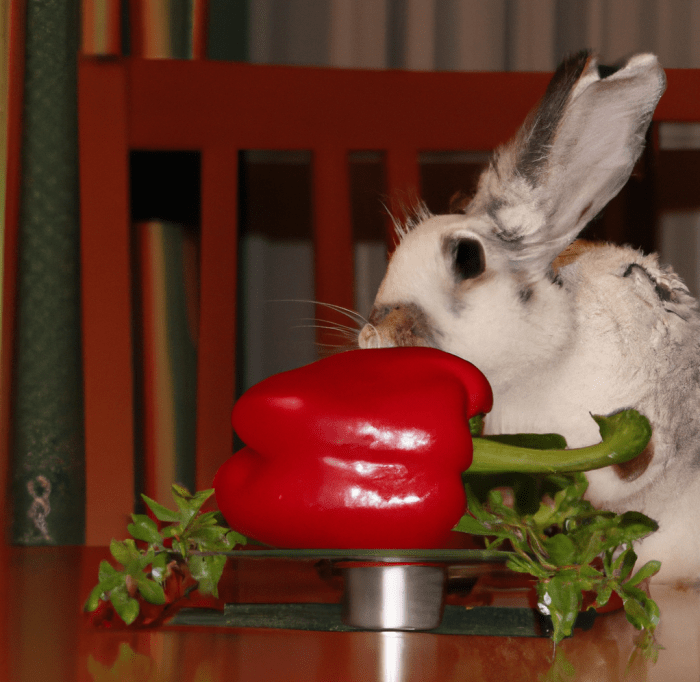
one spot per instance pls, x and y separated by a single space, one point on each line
572 155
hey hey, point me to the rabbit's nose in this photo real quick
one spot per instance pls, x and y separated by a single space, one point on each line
370 338
397 325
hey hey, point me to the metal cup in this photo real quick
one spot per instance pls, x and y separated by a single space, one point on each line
393 596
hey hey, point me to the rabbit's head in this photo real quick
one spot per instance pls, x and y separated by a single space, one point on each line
481 284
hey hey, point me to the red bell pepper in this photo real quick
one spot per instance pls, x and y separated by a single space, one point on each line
364 449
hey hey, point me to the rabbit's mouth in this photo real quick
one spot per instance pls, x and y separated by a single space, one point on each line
403 324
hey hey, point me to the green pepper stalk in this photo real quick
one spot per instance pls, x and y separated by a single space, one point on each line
624 435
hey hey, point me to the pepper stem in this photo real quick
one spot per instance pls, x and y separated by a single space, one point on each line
624 434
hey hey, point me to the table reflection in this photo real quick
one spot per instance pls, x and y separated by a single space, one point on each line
48 639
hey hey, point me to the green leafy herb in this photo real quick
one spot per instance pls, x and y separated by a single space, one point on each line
186 539
568 546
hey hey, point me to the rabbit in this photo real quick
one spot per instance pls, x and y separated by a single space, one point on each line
564 328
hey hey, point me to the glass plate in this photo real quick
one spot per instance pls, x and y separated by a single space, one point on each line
384 555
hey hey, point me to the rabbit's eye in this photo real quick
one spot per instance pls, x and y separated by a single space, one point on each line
468 258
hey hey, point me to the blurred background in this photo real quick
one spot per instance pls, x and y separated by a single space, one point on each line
470 35
276 318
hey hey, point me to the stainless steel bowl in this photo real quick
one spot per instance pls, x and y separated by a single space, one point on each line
393 596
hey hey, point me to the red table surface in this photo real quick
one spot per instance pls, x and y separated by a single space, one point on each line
47 637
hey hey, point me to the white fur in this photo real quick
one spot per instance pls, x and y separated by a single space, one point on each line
613 330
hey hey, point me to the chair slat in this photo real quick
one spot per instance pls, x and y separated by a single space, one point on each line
333 244
217 311
402 173
106 300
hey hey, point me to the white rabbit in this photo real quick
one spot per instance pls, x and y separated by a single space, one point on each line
564 330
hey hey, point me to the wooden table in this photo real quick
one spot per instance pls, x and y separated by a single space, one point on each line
47 638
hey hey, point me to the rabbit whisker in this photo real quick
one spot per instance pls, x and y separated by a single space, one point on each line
352 314
314 322
341 330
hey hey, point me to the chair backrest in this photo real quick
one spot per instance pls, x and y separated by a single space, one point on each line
220 109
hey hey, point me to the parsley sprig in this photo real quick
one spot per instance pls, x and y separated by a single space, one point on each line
185 540
566 544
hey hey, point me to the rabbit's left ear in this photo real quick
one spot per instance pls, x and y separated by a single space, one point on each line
573 154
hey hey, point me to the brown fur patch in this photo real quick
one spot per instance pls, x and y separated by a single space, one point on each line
406 324
635 467
459 202
585 210
573 252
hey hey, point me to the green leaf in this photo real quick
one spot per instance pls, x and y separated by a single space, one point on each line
189 505
160 512
199 498
94 598
212 538
647 648
474 506
608 565
106 570
635 612
181 547
234 538
590 544
139 562
624 564
127 607
159 567
498 507
560 549
560 598
178 490
589 573
543 517
468 524
176 529
203 495
640 609
150 590
144 528
209 518
554 482
108 584
649 569
603 592
207 571
636 526
569 499
124 551
493 543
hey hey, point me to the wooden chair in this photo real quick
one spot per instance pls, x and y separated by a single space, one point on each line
219 109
